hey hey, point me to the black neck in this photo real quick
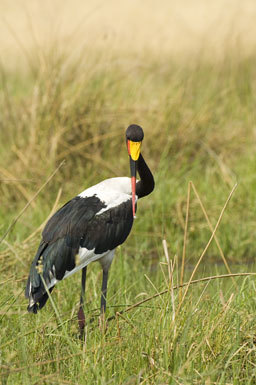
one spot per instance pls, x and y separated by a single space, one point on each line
146 184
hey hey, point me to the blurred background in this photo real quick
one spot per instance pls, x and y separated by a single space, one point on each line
178 28
75 74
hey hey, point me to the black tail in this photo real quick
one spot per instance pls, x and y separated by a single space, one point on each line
36 300
51 262
35 290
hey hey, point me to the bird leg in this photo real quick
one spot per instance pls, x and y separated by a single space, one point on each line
81 316
104 292
102 323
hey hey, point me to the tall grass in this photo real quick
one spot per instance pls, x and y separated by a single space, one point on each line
199 124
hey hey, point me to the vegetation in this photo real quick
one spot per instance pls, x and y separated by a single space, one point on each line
199 123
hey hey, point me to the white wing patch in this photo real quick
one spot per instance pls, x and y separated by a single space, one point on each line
120 184
113 192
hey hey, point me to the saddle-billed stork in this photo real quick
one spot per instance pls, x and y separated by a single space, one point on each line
89 228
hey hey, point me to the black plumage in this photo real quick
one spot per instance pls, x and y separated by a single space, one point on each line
88 228
75 225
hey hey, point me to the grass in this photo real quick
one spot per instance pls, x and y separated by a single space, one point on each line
199 123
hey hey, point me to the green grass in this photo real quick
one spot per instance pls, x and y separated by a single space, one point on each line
212 338
199 123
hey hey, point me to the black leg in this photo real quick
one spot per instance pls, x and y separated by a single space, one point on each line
104 291
81 316
83 285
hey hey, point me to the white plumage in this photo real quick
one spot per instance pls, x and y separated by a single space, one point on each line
112 191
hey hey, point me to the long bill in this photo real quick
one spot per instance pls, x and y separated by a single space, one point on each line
134 152
133 179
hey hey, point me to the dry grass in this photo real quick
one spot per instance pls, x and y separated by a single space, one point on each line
73 75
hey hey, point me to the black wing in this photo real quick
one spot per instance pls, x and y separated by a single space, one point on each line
75 224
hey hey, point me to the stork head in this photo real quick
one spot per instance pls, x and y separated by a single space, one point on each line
134 137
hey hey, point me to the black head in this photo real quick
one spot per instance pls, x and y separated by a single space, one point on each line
134 133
